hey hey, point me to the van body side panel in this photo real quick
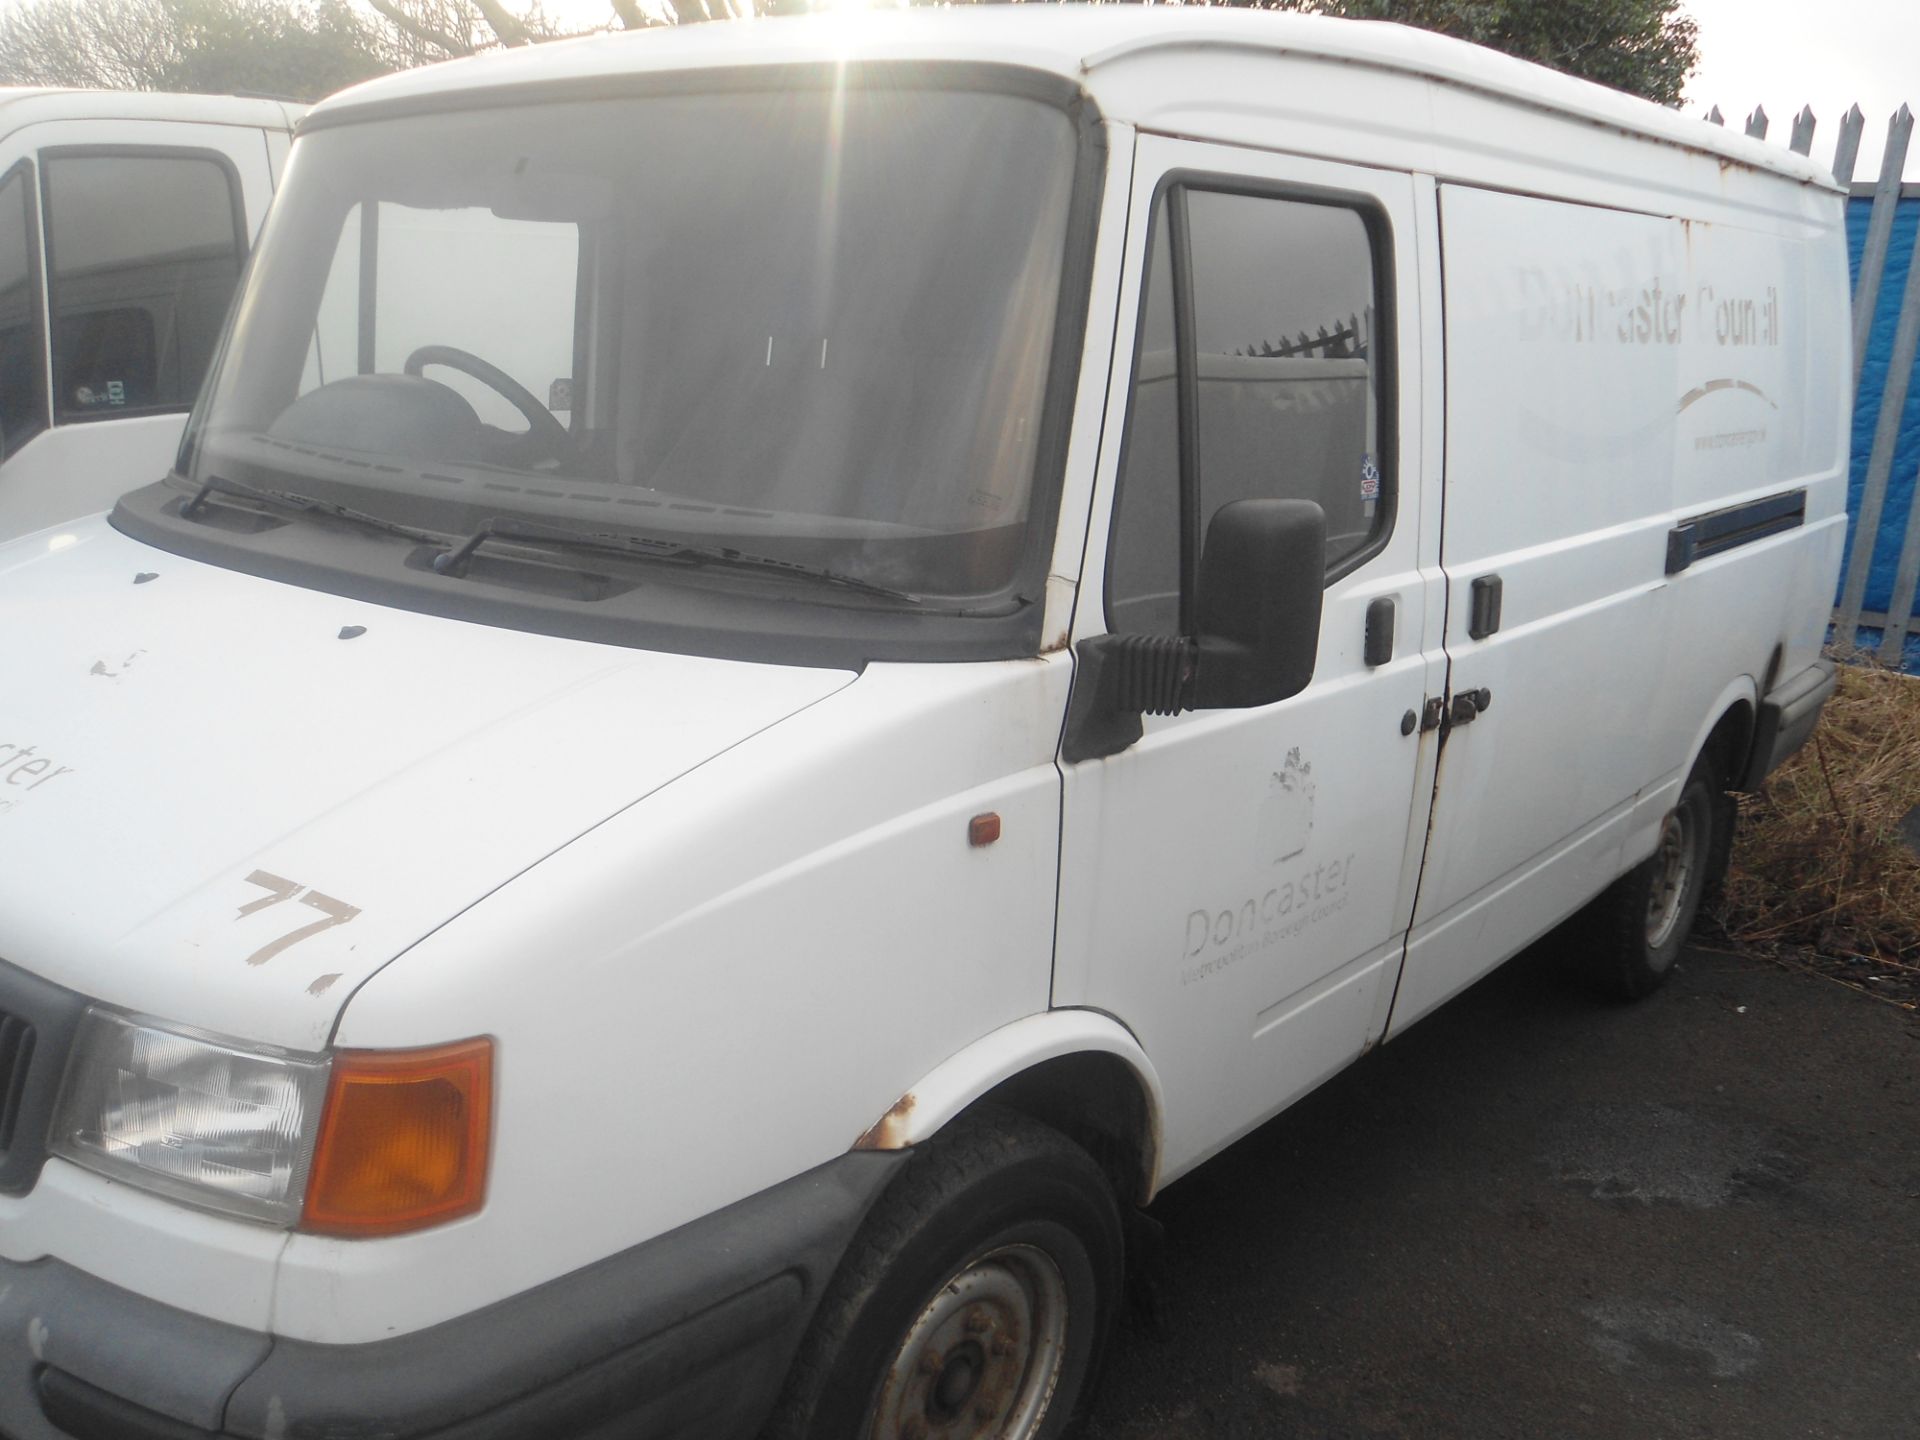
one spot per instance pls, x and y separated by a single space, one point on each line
749 968
1529 150
1763 427
1610 376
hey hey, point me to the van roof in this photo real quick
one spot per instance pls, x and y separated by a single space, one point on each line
1085 43
28 105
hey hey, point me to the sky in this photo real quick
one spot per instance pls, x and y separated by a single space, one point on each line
1825 53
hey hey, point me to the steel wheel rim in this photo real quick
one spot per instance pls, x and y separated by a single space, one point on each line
982 1358
1673 869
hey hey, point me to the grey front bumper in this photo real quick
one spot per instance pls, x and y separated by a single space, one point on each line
688 1335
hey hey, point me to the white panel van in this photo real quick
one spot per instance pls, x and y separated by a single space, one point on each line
787 665
125 220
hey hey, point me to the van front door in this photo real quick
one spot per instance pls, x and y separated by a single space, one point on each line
1236 884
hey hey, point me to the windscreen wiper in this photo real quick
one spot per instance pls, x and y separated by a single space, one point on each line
454 562
306 505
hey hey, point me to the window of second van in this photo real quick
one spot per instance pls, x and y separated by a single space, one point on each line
144 251
23 382
1258 374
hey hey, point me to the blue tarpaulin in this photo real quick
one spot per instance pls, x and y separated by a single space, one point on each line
1866 414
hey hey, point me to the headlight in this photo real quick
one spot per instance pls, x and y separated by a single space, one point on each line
202 1119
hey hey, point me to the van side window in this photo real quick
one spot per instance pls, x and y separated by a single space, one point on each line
143 252
23 375
1257 375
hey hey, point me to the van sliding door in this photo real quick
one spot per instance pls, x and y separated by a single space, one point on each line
1559 476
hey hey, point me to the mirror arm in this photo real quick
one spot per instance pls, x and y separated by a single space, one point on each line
1122 677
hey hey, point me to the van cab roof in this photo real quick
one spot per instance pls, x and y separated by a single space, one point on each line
1087 45
28 105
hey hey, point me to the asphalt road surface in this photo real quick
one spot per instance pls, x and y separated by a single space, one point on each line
1541 1216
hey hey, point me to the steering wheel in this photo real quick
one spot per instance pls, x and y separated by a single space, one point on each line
542 427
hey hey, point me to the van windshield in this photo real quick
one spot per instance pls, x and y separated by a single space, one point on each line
810 325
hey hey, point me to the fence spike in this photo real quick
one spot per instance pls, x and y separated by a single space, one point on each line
1757 123
1803 127
1893 639
1846 153
1714 117
1873 494
1873 257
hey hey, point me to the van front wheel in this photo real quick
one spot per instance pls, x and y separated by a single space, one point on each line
1640 924
975 1301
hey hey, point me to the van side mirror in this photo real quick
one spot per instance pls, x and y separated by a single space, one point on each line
1262 577
1262 574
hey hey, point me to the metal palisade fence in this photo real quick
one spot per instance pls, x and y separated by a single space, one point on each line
1874 611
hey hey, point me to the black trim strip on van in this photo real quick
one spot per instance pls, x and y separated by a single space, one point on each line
1737 525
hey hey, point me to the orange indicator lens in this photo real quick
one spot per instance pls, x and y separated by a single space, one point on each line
403 1140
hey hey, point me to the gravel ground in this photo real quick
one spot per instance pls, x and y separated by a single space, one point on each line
1541 1216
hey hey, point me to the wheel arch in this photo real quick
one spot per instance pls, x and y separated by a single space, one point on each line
1729 728
1079 1071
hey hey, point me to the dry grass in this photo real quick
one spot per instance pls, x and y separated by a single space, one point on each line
1819 862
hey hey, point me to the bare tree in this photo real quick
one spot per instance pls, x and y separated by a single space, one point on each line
79 43
422 31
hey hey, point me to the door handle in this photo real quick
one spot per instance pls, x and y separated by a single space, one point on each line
1379 643
1484 616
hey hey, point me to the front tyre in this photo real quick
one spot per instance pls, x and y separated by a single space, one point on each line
1639 925
975 1301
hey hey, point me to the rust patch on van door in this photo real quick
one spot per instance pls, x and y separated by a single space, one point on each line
889 1132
